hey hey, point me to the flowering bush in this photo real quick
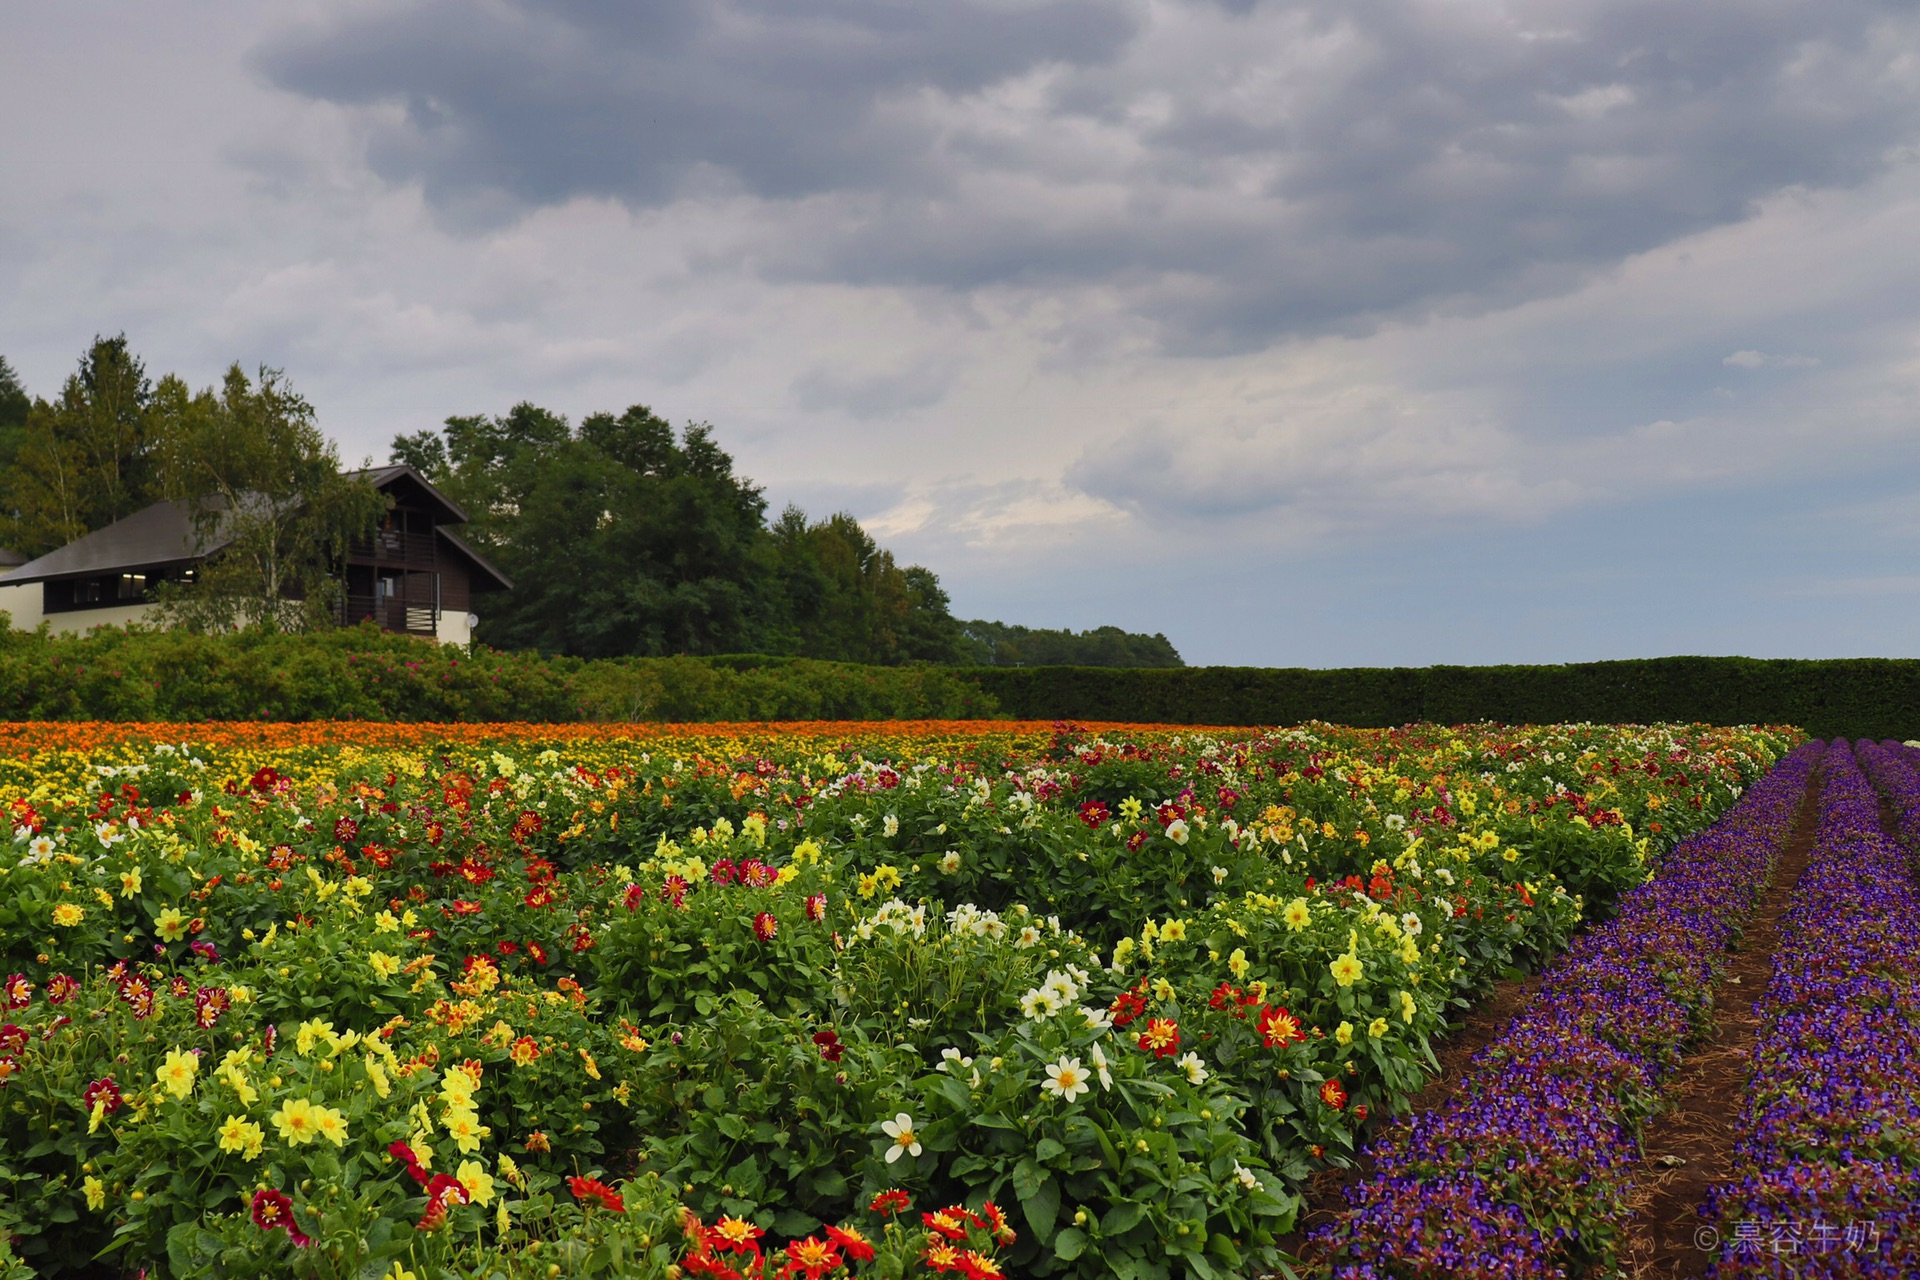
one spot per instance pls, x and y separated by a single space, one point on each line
416 1001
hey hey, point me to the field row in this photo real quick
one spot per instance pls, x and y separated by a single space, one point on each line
1524 1171
1826 1180
470 1004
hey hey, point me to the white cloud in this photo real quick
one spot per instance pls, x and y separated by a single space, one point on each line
1750 359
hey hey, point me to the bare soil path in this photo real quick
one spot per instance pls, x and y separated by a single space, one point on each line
1688 1148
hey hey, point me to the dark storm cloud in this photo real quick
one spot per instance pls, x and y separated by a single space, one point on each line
544 100
1232 171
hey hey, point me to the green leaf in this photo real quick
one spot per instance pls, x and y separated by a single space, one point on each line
1070 1244
1027 1177
1048 1149
792 1222
1042 1207
1122 1218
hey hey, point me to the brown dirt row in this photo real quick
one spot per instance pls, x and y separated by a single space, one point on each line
1688 1148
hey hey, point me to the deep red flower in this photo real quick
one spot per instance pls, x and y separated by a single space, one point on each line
816 906
765 926
18 991
405 1155
633 897
1161 1038
894 1201
102 1089
273 1211
1333 1095
852 1242
1277 1027
61 988
812 1258
14 1039
592 1189
830 1047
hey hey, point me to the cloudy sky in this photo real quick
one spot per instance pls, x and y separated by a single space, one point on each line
1309 332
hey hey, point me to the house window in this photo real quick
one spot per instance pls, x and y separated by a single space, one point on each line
104 590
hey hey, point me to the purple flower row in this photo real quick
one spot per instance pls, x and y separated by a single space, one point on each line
1522 1173
1827 1155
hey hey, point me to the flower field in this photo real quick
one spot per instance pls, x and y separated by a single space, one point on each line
971 998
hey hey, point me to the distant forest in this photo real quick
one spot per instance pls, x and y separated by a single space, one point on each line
623 535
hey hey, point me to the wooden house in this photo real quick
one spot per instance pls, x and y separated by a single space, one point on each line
414 574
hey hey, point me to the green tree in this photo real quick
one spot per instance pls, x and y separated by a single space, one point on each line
84 460
271 509
624 536
424 451
999 644
627 537
845 597
15 405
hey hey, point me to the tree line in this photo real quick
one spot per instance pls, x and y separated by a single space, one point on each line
624 536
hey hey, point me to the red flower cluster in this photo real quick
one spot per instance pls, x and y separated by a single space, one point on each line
727 1236
952 1247
208 1004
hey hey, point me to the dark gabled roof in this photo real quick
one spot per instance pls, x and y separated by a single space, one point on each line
160 535
502 581
402 476
163 535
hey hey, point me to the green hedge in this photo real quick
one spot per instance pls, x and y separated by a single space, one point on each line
366 674
1856 697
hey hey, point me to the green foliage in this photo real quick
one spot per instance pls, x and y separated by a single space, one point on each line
1000 644
1852 697
270 507
366 674
85 459
14 407
626 537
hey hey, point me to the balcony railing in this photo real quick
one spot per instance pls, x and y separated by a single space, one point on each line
390 613
394 546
